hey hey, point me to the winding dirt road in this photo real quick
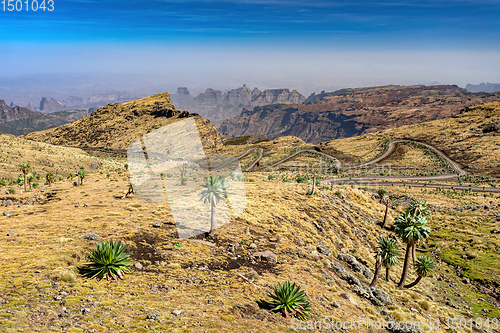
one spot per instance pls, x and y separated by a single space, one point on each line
388 151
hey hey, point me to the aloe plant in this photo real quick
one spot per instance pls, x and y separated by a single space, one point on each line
290 300
108 260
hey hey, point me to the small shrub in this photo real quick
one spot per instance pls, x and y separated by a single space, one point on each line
35 185
108 260
11 190
290 300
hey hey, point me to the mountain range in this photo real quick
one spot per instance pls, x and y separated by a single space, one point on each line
218 106
17 120
350 112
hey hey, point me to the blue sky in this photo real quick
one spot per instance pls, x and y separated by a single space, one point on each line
260 22
329 43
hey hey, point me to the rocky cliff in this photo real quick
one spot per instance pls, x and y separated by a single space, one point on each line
350 112
218 106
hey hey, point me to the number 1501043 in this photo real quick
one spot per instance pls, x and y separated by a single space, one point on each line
27 5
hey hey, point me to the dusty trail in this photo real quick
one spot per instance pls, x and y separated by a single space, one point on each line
449 187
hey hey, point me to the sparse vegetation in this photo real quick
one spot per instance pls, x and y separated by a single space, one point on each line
81 175
25 169
214 276
412 229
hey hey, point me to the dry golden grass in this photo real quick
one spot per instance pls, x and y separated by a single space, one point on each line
39 261
44 157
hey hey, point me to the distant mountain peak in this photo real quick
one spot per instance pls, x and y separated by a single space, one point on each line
218 106
182 91
52 105
483 87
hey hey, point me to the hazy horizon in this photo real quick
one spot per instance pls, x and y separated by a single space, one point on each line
87 47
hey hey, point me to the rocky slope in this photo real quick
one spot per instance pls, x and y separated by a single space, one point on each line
350 112
116 126
218 106
17 120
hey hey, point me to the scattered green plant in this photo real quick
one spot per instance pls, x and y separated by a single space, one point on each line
108 260
290 300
